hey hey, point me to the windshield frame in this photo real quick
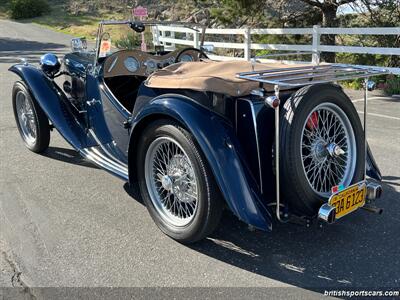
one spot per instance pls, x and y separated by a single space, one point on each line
100 31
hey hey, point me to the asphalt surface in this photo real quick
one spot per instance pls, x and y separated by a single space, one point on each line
64 222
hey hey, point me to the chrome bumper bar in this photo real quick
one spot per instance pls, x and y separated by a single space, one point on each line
327 212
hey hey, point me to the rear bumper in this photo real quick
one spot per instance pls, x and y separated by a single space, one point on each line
327 212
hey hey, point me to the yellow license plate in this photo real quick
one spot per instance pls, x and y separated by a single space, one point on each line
349 199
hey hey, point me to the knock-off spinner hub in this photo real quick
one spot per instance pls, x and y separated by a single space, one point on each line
334 150
166 182
320 150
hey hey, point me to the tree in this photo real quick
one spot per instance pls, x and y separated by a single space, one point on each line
329 10
384 13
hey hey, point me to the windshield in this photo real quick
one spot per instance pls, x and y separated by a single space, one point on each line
155 38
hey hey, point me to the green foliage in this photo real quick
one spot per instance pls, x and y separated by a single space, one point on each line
129 41
356 84
132 40
392 86
23 9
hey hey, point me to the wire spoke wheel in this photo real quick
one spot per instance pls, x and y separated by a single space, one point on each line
176 183
26 118
328 148
171 181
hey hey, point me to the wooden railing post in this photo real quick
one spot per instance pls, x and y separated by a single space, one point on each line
156 36
172 35
196 39
162 36
247 44
315 44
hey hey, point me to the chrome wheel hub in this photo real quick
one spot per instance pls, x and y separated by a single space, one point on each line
318 150
328 149
166 182
334 150
171 181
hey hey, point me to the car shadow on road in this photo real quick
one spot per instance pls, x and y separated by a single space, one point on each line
391 180
361 250
133 191
69 156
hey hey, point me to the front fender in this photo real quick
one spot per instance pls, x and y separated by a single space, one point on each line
50 99
221 149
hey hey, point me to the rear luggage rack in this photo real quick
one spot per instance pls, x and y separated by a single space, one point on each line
296 77
306 75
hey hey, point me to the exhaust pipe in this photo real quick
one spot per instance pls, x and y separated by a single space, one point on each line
327 213
374 190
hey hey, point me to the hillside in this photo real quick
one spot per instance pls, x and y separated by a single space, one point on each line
81 17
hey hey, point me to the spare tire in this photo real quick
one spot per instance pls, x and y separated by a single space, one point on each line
322 145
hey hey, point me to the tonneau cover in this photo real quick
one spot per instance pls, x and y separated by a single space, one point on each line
212 76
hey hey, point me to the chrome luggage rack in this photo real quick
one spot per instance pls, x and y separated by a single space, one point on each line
313 74
296 77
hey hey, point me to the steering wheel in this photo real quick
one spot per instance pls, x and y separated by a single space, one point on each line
190 54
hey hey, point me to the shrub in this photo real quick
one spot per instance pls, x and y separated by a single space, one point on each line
130 41
22 9
392 86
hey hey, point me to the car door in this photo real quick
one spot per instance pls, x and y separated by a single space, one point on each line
106 118
117 119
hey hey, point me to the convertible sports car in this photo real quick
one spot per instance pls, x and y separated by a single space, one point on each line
267 141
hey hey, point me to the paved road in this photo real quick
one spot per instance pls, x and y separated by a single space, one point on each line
64 222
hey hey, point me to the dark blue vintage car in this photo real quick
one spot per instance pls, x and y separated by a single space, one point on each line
267 141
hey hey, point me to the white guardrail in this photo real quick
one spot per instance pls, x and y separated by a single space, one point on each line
166 35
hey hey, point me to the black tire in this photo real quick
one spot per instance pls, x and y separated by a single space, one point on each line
295 187
41 142
209 206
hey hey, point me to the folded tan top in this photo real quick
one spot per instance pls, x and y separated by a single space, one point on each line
212 76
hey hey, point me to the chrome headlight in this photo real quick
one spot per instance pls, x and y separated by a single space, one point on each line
50 64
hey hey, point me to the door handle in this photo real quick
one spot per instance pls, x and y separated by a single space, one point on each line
93 102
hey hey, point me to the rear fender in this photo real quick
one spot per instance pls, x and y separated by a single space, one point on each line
51 100
372 167
220 147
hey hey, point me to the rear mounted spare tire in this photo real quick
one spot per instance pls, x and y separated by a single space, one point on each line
322 145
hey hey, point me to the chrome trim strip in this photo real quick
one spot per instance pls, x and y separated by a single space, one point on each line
112 64
89 154
110 161
103 148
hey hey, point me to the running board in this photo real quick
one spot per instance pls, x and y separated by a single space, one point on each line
101 158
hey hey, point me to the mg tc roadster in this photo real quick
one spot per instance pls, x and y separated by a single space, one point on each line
270 142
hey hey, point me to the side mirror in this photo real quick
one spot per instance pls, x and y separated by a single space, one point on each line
208 48
371 85
50 64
